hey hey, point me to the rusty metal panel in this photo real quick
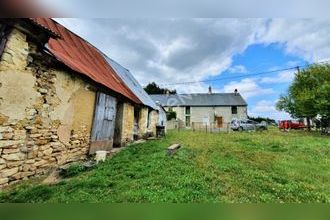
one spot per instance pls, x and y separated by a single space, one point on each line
84 58
104 123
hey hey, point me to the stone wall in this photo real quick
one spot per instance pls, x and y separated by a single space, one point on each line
198 114
46 114
124 124
154 121
143 121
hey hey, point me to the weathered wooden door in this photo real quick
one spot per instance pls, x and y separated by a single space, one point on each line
219 121
104 123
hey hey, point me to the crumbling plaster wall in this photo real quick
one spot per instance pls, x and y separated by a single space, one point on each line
46 114
143 121
124 127
153 121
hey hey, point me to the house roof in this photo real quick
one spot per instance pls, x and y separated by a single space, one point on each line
214 99
84 58
132 83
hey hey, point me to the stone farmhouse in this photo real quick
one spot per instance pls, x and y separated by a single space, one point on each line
211 109
62 99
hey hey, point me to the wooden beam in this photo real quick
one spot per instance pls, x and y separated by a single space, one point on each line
172 149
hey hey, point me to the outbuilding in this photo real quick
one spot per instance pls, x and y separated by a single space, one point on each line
60 99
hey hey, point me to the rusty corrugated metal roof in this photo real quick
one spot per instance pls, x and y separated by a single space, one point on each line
82 57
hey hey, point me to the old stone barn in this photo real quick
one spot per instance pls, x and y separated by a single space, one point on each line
61 99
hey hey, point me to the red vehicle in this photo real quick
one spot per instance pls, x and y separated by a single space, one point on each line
289 124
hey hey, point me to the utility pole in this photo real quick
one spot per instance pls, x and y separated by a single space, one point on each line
298 69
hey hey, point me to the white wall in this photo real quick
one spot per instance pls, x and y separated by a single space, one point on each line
198 113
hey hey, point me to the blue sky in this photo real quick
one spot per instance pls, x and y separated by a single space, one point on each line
168 51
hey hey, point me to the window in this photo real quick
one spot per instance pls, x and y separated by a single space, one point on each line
187 121
187 110
234 110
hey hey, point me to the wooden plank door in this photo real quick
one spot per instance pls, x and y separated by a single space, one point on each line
219 121
104 123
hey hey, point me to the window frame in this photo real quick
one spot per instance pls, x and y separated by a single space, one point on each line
234 110
186 112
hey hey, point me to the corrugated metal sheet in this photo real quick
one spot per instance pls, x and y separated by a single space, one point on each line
82 57
132 83
215 99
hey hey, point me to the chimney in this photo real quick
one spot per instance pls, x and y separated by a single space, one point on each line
210 90
236 92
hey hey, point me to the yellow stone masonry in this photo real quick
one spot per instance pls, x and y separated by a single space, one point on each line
16 52
143 121
128 121
44 120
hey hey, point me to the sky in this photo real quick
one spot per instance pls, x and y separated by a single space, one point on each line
169 51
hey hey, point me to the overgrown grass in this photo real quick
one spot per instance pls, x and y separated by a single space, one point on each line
237 167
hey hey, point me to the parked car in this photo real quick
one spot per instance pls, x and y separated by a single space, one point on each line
289 124
247 125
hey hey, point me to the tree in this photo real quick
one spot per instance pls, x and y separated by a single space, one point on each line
309 94
171 115
261 119
153 88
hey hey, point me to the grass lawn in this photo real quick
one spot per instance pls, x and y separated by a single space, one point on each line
269 166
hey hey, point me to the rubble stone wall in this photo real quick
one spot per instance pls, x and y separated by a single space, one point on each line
46 114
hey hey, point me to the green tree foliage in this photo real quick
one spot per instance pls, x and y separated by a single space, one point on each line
309 94
261 119
153 88
171 115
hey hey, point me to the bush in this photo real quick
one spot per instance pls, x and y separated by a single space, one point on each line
171 115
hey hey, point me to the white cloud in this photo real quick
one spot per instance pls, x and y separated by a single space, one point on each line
307 38
179 50
187 8
247 88
292 63
170 50
237 69
282 77
266 108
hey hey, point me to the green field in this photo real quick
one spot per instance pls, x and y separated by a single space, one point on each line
269 166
